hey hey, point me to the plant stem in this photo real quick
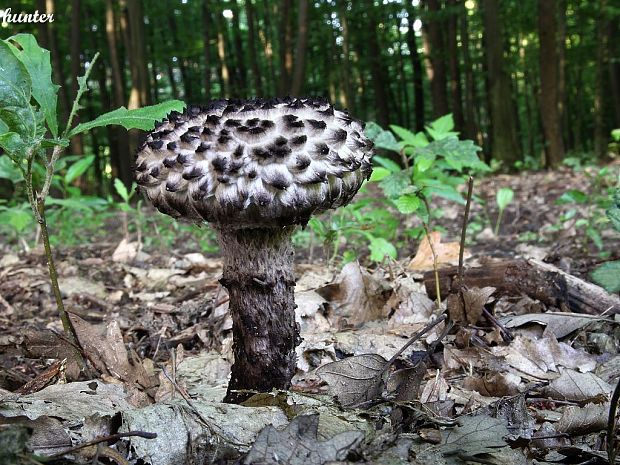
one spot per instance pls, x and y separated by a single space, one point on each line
435 266
470 189
499 220
64 317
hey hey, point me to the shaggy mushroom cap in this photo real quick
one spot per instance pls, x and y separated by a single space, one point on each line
255 163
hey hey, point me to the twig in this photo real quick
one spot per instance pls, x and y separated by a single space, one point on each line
99 440
470 189
506 335
611 425
435 266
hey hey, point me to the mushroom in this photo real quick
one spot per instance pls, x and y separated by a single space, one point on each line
255 169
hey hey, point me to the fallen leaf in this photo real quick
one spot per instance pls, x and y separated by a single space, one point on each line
466 305
298 444
578 387
591 418
125 252
558 324
447 253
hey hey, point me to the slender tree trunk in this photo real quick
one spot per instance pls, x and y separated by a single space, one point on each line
470 127
266 36
436 47
404 97
240 77
76 144
223 66
561 45
119 156
256 72
286 47
549 98
206 37
173 82
600 135
349 98
614 66
376 68
181 60
299 74
504 142
455 66
418 78
50 8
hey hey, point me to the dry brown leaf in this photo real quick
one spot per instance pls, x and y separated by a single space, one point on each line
466 306
494 385
578 387
447 253
583 420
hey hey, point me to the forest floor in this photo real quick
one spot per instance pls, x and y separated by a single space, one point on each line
531 383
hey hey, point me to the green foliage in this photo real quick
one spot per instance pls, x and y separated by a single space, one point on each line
608 274
503 198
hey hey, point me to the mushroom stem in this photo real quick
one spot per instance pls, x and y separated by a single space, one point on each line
259 275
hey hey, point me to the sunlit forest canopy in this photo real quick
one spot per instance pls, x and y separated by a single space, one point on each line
528 81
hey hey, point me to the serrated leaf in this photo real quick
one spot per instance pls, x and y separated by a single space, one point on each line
380 248
424 159
407 204
442 128
381 138
447 192
503 197
121 189
8 170
391 165
15 91
394 184
141 118
12 143
573 196
418 140
378 174
37 63
608 276
78 168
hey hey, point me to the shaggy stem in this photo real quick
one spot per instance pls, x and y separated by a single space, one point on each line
259 275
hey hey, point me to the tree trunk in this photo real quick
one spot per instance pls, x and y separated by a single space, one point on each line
504 142
299 74
266 36
206 37
470 126
256 72
600 135
258 273
57 65
614 66
181 60
240 77
561 45
418 78
224 74
76 143
286 47
436 46
549 98
349 96
119 157
455 68
376 68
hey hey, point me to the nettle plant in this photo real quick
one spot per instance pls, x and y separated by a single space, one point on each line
432 163
34 141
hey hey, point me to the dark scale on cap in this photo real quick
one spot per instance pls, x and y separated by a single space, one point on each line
141 167
302 162
183 158
329 111
155 145
252 174
338 135
235 166
169 162
322 149
171 146
256 130
316 124
299 140
224 139
224 132
252 122
220 164
260 153
238 151
194 129
213 120
243 129
223 179
279 151
207 132
263 199
162 133
154 171
203 147
172 187
267 124
279 141
232 123
194 110
293 122
279 182
194 173
189 138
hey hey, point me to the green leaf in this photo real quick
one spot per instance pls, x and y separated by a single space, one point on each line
407 204
394 184
442 128
573 196
17 218
615 135
37 63
595 236
78 168
391 165
378 174
15 91
424 159
381 138
613 212
418 140
121 189
608 276
503 197
71 203
9 171
447 192
12 143
380 248
141 118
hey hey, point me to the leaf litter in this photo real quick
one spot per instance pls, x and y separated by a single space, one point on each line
157 336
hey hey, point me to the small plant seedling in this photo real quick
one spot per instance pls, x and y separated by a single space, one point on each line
503 198
608 274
